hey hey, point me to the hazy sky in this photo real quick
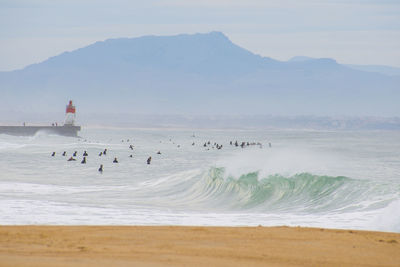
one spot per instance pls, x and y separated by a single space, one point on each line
351 31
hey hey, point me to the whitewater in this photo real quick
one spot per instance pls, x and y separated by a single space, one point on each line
331 179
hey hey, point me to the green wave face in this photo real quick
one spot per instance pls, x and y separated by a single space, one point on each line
302 192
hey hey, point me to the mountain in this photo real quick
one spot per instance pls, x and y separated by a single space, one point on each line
387 70
194 74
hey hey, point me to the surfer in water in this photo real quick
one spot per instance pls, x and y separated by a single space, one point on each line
149 160
105 152
71 159
115 160
101 168
85 154
83 161
64 154
53 154
74 155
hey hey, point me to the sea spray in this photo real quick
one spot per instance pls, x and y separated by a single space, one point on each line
322 179
302 192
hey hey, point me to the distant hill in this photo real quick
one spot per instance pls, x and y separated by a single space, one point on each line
194 74
391 71
386 70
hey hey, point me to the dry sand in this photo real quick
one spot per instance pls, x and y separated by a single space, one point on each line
194 246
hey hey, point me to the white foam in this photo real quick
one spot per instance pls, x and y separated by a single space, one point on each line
388 219
38 188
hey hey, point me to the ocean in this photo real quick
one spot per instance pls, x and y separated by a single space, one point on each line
330 179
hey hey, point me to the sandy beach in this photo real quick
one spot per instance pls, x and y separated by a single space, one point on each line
195 246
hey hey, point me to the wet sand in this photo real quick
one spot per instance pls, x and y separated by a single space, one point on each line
194 246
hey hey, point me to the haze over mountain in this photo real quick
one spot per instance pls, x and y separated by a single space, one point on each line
195 74
387 70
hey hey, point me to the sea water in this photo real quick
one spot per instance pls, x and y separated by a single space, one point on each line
348 180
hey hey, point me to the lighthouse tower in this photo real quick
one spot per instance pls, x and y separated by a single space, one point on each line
70 114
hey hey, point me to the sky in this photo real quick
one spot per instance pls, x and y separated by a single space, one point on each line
365 32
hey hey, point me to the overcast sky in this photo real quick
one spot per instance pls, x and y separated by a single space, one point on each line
350 31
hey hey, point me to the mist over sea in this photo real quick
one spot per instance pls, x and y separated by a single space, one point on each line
333 179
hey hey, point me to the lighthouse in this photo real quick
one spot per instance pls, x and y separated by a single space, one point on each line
70 114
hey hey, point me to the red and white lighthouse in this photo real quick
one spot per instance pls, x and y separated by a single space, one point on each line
70 114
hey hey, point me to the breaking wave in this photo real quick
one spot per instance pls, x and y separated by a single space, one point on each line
300 193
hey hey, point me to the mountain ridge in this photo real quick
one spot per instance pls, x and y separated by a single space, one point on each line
196 74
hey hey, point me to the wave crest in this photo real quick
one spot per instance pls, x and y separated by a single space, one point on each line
303 192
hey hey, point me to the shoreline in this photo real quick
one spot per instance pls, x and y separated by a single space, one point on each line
31 245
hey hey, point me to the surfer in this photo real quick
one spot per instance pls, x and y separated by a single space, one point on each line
101 168
101 153
131 147
71 159
105 152
130 156
53 154
64 154
83 161
159 153
149 160
74 154
115 160
85 154
269 144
